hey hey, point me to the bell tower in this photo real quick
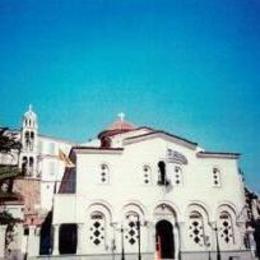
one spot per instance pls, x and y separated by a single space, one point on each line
28 157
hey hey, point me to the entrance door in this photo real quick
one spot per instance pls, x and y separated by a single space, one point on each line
165 239
68 239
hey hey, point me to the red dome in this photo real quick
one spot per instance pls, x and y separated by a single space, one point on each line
117 127
121 125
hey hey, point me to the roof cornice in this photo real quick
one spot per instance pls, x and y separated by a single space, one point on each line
96 150
218 155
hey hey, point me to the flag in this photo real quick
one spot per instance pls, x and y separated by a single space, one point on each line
63 157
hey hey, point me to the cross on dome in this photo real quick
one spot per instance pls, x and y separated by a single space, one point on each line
120 124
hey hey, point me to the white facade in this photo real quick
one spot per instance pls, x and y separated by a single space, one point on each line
190 200
50 167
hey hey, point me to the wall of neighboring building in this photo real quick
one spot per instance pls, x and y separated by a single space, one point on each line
30 190
51 168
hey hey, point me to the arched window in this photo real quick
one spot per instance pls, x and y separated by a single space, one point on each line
162 173
216 182
97 229
52 168
40 147
131 228
31 140
52 148
196 229
24 165
226 232
104 176
147 177
31 165
27 139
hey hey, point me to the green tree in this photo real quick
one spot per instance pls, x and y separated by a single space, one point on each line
10 145
8 141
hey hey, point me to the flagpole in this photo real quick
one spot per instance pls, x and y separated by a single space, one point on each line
217 243
139 237
122 244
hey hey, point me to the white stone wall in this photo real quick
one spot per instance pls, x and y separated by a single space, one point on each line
126 191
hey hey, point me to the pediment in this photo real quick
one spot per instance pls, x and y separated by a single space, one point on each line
162 135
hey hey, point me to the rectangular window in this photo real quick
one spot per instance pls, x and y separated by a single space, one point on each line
52 168
40 147
52 148
26 231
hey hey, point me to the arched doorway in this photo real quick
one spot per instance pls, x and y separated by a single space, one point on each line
165 239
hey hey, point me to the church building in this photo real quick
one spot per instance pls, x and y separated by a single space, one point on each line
142 193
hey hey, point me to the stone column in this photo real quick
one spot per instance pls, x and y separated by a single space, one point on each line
80 238
182 235
150 227
56 229
2 240
251 240
239 234
114 238
177 240
30 241
33 241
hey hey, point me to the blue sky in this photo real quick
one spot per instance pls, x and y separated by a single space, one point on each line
186 66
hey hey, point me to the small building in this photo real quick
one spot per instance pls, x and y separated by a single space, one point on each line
40 162
31 197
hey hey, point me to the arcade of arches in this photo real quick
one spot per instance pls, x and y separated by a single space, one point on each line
163 231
